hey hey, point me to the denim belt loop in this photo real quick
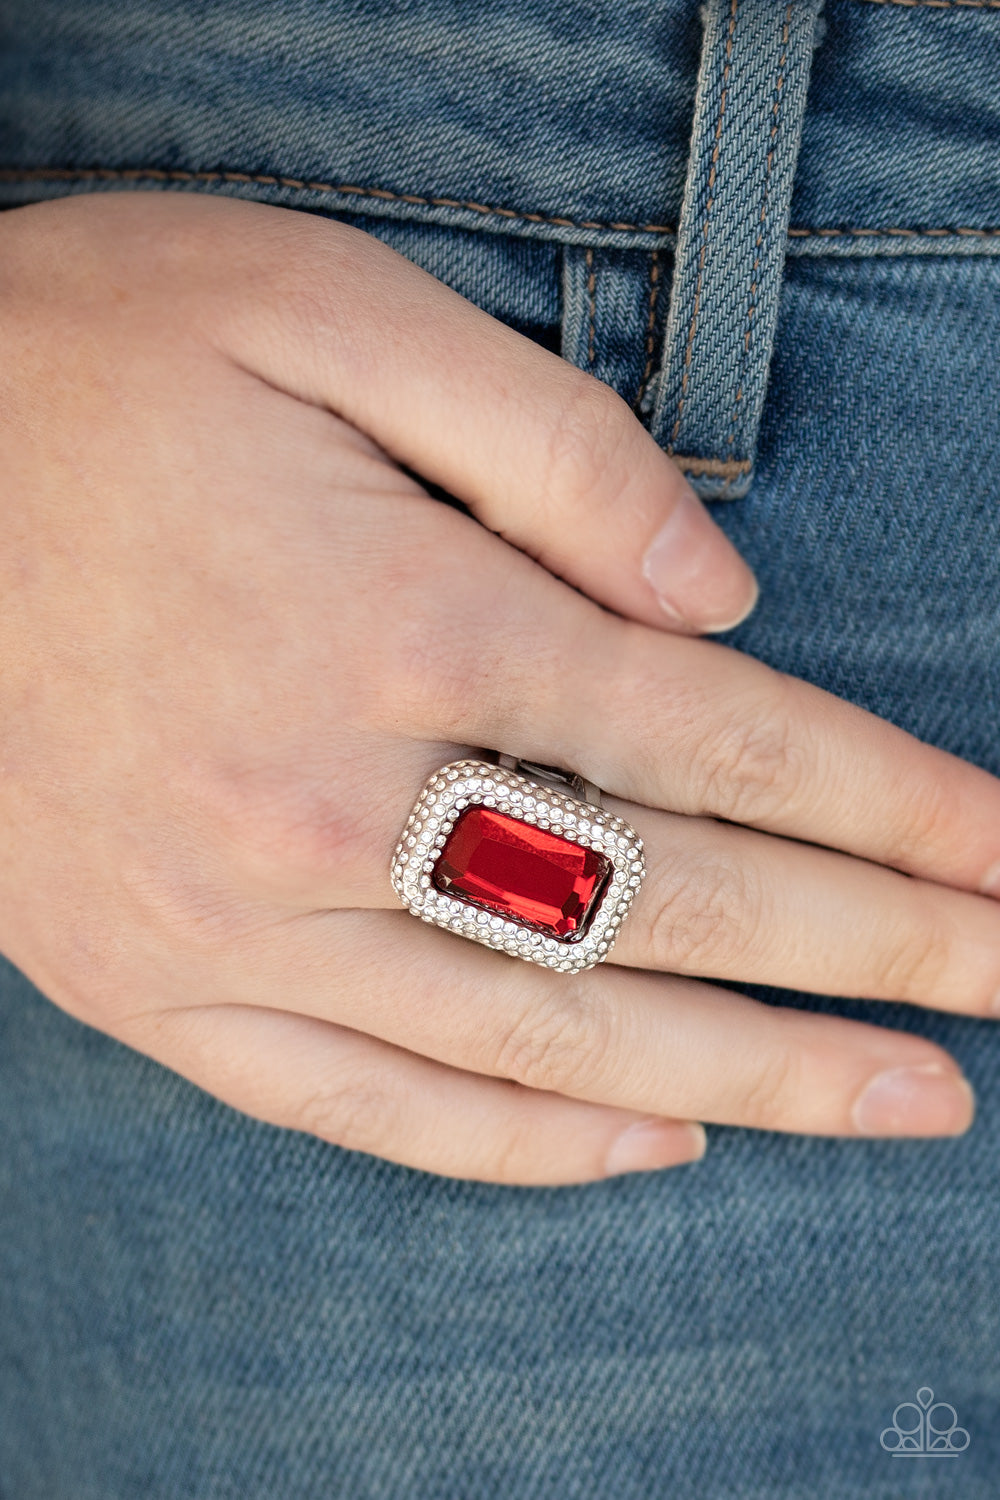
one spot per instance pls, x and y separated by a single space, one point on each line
731 238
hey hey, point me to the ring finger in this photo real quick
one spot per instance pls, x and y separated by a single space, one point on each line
725 902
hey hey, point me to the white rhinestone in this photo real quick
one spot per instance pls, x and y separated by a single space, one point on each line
482 918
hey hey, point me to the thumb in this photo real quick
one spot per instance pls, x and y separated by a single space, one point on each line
541 453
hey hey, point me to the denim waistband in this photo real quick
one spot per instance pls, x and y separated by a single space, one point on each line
538 118
706 143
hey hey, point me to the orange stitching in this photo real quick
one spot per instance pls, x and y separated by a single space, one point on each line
654 297
943 4
157 174
704 233
909 234
591 305
721 468
266 179
765 200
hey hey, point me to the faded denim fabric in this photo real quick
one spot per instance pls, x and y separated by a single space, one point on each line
195 1306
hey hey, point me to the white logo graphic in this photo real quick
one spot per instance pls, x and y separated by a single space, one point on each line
924 1429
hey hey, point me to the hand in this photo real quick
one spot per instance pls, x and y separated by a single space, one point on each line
237 637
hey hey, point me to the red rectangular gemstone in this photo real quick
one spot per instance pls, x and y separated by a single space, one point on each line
523 873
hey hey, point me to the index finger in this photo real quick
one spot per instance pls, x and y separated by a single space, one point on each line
545 455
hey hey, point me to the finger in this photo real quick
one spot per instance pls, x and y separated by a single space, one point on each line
658 1046
541 452
728 903
724 902
365 1095
695 727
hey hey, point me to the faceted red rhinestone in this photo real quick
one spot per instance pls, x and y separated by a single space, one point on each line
524 874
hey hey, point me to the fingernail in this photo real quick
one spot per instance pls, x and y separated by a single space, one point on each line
990 883
649 1144
699 579
928 1100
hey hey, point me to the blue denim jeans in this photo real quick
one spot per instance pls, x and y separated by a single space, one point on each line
194 1304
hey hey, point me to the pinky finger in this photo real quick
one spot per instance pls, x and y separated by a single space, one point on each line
367 1095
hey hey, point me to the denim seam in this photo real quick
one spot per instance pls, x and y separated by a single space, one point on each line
591 308
655 281
267 179
710 204
762 226
717 468
264 179
896 233
941 4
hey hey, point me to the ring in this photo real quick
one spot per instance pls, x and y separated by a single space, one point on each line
521 857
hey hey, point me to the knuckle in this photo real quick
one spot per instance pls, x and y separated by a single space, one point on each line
766 1098
556 1044
171 897
283 835
702 918
431 659
357 1113
297 265
753 766
435 679
583 458
930 812
515 1149
912 960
